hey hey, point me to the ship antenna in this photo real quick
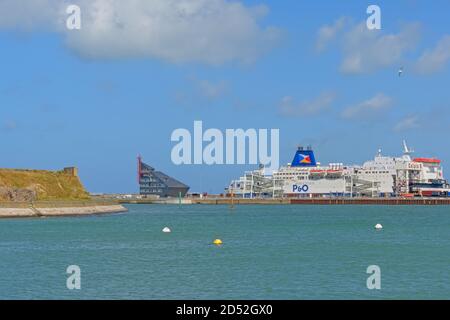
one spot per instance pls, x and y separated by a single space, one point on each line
406 150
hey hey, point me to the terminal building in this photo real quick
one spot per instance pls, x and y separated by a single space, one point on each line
157 183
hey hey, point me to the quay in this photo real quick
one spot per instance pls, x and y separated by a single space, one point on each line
292 201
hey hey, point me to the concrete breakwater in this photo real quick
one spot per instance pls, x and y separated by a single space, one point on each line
57 208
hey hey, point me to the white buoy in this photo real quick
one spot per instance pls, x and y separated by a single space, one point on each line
378 226
166 230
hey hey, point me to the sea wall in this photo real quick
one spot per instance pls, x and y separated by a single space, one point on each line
28 212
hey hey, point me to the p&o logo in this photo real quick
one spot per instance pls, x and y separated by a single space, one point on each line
306 159
300 188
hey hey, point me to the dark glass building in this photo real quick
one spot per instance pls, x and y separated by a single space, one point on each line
152 182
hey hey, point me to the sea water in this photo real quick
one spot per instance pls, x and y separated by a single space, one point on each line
268 252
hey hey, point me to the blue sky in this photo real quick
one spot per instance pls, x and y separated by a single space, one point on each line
95 99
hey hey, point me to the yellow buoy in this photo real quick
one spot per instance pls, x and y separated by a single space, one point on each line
217 242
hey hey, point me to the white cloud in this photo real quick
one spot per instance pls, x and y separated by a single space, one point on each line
197 92
364 50
410 122
368 50
211 90
32 15
368 108
288 107
328 33
205 31
435 60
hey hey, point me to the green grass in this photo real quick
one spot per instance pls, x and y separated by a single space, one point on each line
48 185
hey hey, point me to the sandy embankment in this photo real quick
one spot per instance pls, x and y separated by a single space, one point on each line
63 211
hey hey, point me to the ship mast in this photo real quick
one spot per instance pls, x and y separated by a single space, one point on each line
406 150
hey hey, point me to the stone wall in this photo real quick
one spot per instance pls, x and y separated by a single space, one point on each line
65 211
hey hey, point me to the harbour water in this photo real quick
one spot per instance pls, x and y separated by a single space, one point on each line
268 252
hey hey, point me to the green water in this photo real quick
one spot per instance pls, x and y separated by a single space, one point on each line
268 252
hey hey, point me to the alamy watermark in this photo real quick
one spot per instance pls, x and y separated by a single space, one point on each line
228 148
73 21
373 22
73 282
374 280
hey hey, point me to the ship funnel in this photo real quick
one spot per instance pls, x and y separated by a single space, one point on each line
304 158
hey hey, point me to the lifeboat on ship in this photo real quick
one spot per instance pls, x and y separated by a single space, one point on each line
317 173
334 173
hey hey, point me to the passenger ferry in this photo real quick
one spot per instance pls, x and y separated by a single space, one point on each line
384 176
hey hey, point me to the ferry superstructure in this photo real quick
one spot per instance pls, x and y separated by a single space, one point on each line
383 176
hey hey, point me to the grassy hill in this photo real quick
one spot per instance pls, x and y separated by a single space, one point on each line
28 185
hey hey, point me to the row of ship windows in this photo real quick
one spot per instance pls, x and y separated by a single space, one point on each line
374 172
290 174
306 174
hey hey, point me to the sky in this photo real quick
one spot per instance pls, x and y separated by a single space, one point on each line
136 71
